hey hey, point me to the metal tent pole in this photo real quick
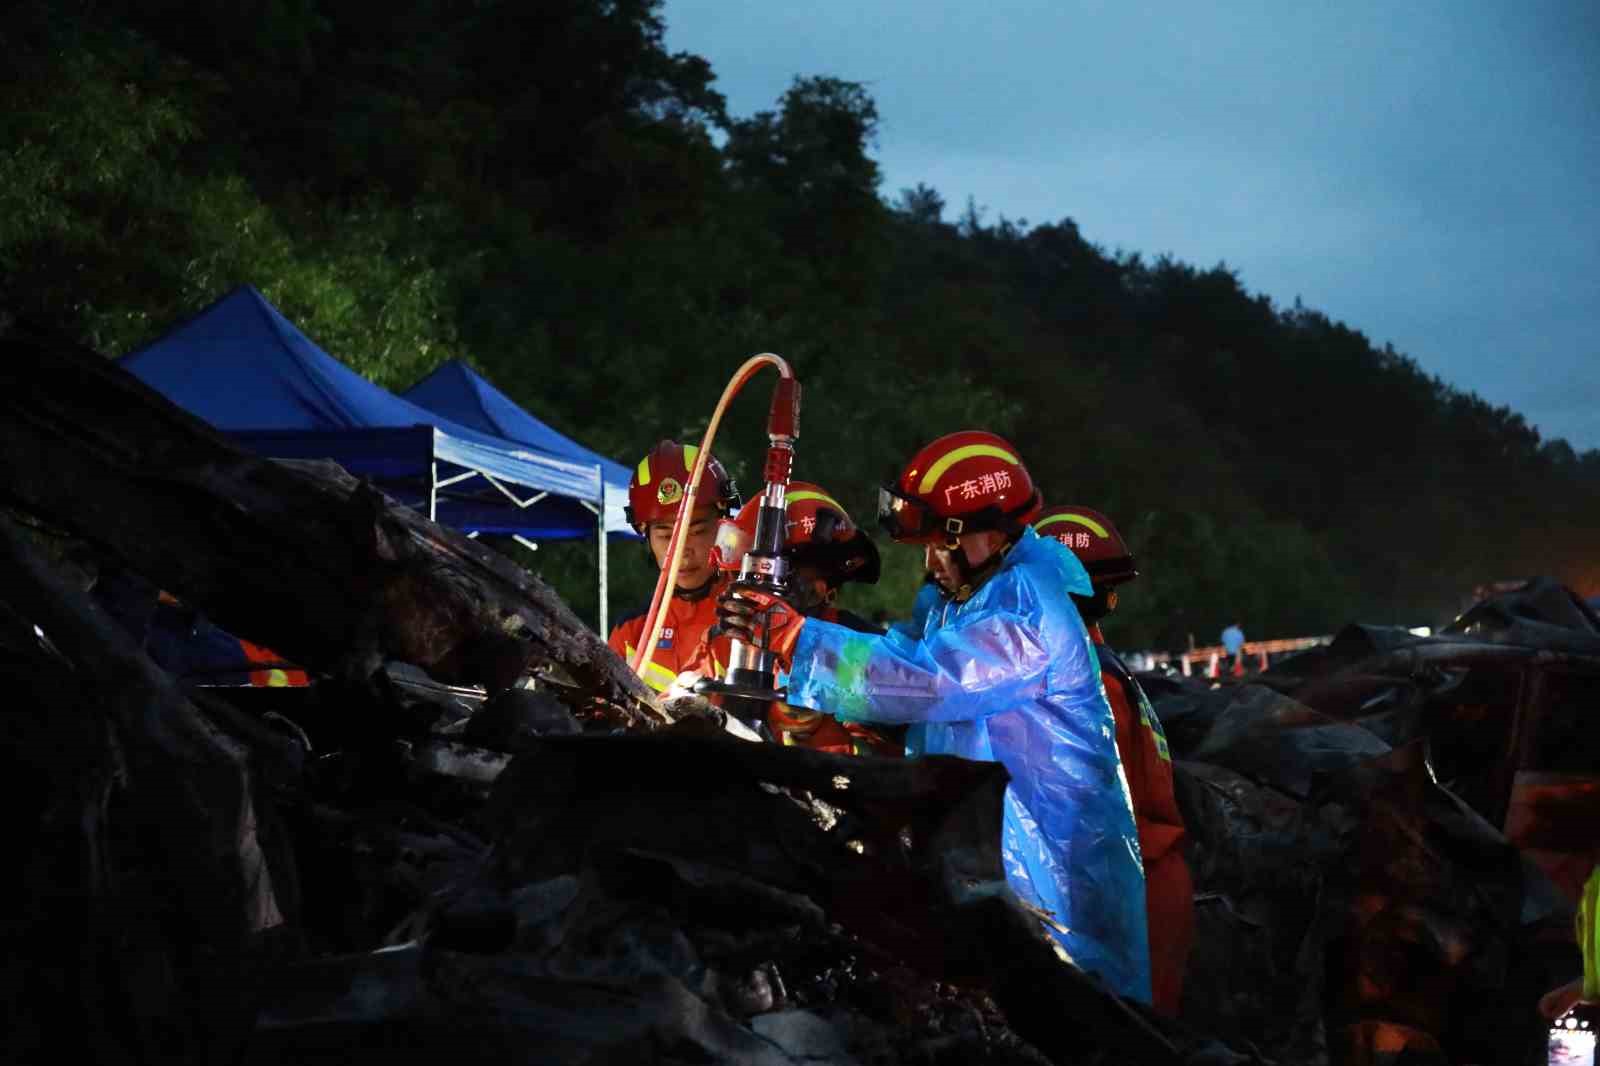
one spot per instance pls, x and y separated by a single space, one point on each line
605 628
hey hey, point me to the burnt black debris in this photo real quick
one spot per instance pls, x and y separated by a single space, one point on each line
472 836
1388 835
469 834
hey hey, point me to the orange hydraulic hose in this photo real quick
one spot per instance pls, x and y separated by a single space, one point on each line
668 582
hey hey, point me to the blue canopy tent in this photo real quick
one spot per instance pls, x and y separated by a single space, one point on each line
464 396
242 366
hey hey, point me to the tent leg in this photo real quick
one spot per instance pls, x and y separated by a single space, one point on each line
433 492
605 629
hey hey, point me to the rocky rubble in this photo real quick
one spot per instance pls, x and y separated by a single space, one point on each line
473 836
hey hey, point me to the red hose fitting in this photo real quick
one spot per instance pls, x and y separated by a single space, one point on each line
780 460
783 420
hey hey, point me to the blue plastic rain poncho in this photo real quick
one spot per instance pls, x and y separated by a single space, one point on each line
1010 676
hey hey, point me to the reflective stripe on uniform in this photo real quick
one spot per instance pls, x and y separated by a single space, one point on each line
955 455
656 676
1134 693
1148 719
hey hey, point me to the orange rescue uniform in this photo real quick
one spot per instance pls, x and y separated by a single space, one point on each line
1168 886
678 648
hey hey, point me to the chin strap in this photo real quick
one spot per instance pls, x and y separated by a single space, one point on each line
973 576
1093 608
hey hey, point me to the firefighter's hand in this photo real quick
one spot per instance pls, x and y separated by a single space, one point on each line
754 616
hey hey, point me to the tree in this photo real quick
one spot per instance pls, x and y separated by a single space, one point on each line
808 170
921 204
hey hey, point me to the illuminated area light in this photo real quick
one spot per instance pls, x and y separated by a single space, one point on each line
1421 631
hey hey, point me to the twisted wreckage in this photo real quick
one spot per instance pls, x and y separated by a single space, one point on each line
474 837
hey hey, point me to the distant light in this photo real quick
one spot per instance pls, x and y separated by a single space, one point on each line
38 632
1421 631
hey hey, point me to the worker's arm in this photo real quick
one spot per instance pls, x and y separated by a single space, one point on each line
983 662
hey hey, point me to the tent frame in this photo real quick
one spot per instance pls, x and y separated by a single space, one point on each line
435 484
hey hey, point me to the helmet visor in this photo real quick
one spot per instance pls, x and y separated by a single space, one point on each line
903 518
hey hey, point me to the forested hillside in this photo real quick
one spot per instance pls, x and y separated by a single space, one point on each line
543 190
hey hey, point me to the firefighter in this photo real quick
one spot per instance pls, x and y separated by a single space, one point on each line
1169 889
825 549
655 495
996 665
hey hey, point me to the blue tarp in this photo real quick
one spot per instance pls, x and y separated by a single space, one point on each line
246 369
464 396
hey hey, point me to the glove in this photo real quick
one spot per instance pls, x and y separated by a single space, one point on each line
755 616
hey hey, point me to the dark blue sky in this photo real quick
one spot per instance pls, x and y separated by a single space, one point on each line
1425 172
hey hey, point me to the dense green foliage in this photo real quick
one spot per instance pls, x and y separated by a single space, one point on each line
544 190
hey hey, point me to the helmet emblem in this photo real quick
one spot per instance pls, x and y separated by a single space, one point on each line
669 492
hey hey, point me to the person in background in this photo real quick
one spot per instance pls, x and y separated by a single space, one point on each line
1233 644
655 496
1168 885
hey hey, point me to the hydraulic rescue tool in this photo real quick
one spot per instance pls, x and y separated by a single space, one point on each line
751 682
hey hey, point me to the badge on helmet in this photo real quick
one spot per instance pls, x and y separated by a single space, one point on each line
657 488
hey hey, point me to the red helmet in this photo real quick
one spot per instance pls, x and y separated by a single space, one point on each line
961 483
656 490
1093 539
818 532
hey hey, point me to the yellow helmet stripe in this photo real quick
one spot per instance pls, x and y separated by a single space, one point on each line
691 452
806 494
951 458
644 471
1098 529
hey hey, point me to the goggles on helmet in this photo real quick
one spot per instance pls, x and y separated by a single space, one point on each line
904 517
